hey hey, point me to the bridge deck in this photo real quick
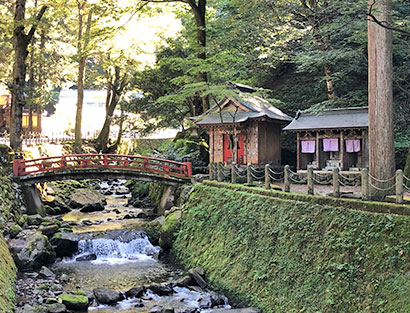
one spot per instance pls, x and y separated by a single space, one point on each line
79 166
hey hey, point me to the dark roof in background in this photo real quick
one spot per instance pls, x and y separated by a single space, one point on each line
258 106
331 119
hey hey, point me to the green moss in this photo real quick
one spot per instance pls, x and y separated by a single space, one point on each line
44 286
7 278
74 302
15 230
80 292
168 230
284 255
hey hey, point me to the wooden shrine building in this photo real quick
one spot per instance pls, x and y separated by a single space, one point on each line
333 138
246 127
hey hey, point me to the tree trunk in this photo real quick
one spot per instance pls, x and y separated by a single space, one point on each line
105 130
199 11
20 44
40 82
381 136
407 168
81 49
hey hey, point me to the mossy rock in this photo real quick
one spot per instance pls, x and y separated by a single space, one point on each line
7 278
80 292
168 230
74 302
14 230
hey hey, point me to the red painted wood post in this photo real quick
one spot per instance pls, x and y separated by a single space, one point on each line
16 167
188 169
105 160
63 162
146 164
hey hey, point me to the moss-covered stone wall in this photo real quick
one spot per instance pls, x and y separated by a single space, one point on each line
294 256
7 278
10 204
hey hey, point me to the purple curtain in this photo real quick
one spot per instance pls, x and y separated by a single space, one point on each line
308 146
352 145
330 144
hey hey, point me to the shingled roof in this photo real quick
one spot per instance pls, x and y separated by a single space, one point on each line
331 119
257 107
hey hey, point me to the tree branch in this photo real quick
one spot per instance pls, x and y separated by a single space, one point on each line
383 24
34 27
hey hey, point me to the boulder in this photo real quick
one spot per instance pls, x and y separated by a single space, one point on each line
46 272
161 289
185 281
107 296
74 302
31 250
197 275
48 229
64 243
88 200
14 230
135 292
57 308
35 219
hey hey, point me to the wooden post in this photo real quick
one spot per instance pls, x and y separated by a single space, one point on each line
365 184
286 180
336 184
233 173
399 186
219 171
249 174
317 151
211 171
310 184
267 177
342 150
298 152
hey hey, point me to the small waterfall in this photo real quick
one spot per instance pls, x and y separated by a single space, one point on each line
117 251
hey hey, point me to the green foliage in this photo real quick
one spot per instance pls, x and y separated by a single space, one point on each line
192 148
293 256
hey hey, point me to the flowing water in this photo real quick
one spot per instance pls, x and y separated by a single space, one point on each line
122 258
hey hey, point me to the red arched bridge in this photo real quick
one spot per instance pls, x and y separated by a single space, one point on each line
101 166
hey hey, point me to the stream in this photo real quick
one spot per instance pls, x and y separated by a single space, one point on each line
114 253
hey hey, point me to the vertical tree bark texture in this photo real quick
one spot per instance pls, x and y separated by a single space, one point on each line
81 49
21 41
381 136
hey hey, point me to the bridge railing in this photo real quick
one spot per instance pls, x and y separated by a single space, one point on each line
101 161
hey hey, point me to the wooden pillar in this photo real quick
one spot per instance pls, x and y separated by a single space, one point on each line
380 58
286 180
342 150
399 186
317 151
233 173
220 171
310 184
249 174
267 177
298 151
365 184
336 184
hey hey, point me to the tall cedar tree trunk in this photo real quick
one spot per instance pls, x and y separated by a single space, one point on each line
81 50
40 82
199 11
21 40
381 136
116 86
407 168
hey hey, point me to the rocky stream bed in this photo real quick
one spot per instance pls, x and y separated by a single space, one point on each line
100 260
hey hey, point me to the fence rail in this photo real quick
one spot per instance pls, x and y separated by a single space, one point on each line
371 186
101 161
33 138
